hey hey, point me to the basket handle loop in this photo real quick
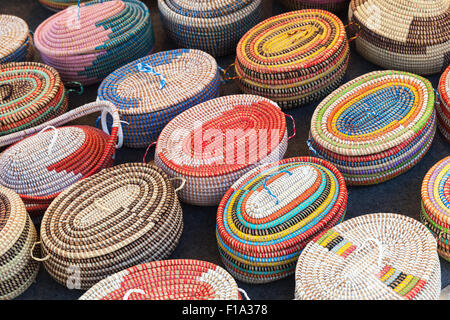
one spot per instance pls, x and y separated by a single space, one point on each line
270 176
226 76
183 182
293 126
357 34
438 97
55 137
145 67
129 292
146 151
311 147
244 294
10 90
35 258
77 84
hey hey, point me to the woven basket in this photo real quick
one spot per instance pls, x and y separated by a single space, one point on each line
376 126
268 216
151 91
435 212
115 219
57 5
407 35
382 256
443 108
17 236
329 5
212 26
88 44
293 58
214 143
16 41
180 279
40 166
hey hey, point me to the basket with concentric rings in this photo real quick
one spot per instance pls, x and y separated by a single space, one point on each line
180 279
214 143
89 43
268 216
120 217
213 26
151 91
381 256
376 126
443 108
17 236
329 5
411 35
16 41
46 160
57 5
293 58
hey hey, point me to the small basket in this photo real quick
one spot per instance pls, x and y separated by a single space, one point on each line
328 5
16 41
443 108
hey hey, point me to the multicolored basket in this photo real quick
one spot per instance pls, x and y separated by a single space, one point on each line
42 165
214 143
376 126
115 219
17 236
89 43
435 212
443 108
151 91
268 216
411 35
57 5
180 279
293 58
211 26
329 5
381 256
16 41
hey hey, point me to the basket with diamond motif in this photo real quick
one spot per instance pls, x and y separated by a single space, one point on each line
329 5
16 41
443 108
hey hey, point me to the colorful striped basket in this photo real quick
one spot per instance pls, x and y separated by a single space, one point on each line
293 58
443 108
16 40
181 279
214 143
57 5
151 91
329 5
17 236
212 26
89 43
435 212
376 126
381 256
407 35
268 216
40 166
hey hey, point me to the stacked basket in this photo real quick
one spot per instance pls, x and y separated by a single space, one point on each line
381 256
329 5
214 143
17 236
293 58
167 280
376 126
410 35
151 91
88 43
443 108
16 41
113 220
436 204
212 26
270 214
56 5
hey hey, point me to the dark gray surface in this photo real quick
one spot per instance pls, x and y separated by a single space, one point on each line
401 195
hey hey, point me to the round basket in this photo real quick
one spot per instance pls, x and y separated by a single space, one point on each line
181 279
381 256
293 58
268 216
151 91
212 26
214 143
435 212
413 35
57 5
376 126
16 41
443 108
88 43
17 236
40 166
329 5
113 220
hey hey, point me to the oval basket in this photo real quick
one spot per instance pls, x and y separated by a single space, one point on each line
16 41
329 5
443 108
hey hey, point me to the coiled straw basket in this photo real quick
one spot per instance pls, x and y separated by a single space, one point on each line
443 108
16 41
57 5
329 5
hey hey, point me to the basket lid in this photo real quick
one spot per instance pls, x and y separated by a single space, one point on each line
206 9
444 88
13 33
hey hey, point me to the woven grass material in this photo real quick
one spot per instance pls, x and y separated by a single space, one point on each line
115 219
50 159
382 256
57 5
181 279
89 44
407 35
376 126
16 41
147 102
212 26
268 216
31 93
435 214
293 58
443 108
329 5
195 146
17 236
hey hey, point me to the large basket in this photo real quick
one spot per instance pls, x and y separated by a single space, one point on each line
16 41
329 5
443 108
376 126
